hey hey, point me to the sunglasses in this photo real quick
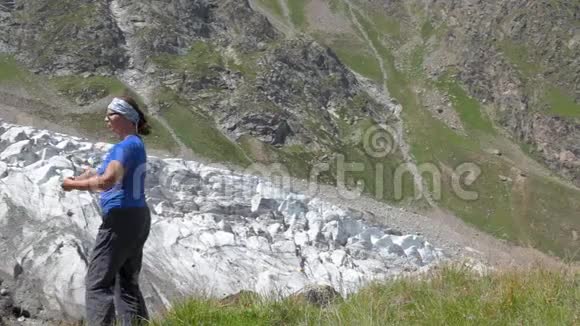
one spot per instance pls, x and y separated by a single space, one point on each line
109 115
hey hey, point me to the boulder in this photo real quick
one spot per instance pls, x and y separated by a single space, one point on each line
318 295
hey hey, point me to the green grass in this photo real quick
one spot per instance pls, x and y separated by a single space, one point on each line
451 296
549 213
204 59
432 142
197 131
160 137
248 65
561 104
386 25
201 57
337 6
295 159
427 30
93 125
297 13
12 73
519 56
96 86
378 174
274 7
9 69
502 208
415 69
361 60
469 109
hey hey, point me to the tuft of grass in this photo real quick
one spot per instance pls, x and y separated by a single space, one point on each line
361 61
95 87
9 69
468 108
427 30
387 25
248 65
295 159
12 73
202 56
197 131
450 296
561 104
378 173
337 6
519 56
160 137
546 211
297 13
416 59
274 7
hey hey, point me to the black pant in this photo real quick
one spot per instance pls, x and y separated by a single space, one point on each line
113 273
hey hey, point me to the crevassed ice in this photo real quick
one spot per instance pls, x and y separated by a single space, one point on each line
214 231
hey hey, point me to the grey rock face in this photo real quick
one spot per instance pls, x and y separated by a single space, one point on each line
169 27
63 37
318 295
509 54
221 57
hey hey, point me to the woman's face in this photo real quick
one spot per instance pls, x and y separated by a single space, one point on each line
114 121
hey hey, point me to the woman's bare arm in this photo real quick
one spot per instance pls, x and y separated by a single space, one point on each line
88 173
113 174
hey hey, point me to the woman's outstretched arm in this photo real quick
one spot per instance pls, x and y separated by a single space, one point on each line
88 173
96 183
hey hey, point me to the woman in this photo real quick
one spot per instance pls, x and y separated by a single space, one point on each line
113 272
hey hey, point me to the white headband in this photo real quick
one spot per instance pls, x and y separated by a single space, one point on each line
125 109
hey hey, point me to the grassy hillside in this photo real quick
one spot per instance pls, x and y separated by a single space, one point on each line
197 131
515 201
66 90
452 296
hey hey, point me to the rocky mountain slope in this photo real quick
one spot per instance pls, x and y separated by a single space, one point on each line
523 60
299 82
491 83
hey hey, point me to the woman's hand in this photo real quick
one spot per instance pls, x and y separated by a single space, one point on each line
113 174
68 184
87 173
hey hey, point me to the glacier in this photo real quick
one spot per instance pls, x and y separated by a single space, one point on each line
214 231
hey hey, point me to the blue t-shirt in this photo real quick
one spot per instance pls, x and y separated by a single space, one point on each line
130 192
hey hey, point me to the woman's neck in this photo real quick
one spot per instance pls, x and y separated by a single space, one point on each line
124 135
